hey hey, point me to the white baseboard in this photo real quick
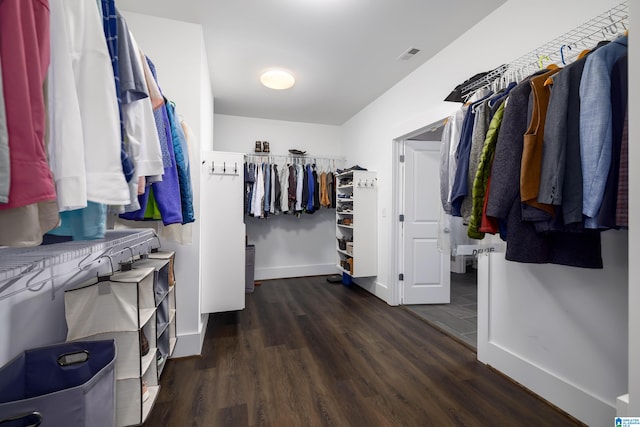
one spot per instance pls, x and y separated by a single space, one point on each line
267 273
622 406
190 344
577 402
374 287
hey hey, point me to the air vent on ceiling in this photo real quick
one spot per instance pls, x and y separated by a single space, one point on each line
408 54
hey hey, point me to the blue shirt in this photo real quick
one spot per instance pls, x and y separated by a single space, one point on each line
267 188
460 188
311 185
596 125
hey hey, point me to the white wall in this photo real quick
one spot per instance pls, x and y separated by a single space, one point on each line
509 32
634 206
286 246
561 331
177 50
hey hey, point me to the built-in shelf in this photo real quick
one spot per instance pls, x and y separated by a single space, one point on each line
359 190
344 252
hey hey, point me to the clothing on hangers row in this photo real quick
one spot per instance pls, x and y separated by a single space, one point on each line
111 134
544 162
294 189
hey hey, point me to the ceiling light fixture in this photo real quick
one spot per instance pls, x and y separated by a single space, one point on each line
277 79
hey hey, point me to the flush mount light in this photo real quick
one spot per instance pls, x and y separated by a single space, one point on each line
277 79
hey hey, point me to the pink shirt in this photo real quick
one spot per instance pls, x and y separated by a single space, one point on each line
24 48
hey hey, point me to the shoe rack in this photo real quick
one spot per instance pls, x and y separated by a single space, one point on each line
356 225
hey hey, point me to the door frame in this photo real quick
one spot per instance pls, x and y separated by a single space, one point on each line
398 194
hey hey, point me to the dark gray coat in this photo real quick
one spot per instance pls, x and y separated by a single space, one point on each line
524 244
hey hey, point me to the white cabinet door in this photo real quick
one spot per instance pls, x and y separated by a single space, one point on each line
426 267
222 254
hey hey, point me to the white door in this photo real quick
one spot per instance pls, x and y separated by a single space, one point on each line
426 265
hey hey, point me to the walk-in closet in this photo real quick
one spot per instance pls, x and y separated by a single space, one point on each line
305 213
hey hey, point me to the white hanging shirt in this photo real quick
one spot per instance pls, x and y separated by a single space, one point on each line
299 184
258 193
96 97
65 135
140 128
284 185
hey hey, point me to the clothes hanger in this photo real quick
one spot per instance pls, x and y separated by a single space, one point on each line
562 53
541 58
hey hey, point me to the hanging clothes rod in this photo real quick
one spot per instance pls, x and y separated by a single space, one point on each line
292 156
270 158
561 50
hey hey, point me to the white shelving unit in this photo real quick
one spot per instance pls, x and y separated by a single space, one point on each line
356 246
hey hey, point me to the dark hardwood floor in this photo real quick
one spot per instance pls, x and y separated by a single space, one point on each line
305 352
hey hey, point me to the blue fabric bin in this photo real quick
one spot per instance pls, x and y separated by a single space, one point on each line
70 384
346 279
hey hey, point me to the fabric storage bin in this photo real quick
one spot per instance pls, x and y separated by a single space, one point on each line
161 275
132 409
69 384
164 344
124 302
131 362
163 313
171 257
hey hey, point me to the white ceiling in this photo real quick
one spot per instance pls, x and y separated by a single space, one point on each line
342 52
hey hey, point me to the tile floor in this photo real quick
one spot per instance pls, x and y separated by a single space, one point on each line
460 317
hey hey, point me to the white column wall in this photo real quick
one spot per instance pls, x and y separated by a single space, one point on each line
286 246
177 50
539 355
634 206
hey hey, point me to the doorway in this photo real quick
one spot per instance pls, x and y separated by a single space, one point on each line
433 285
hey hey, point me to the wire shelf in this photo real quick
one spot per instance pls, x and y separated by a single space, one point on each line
561 50
16 262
